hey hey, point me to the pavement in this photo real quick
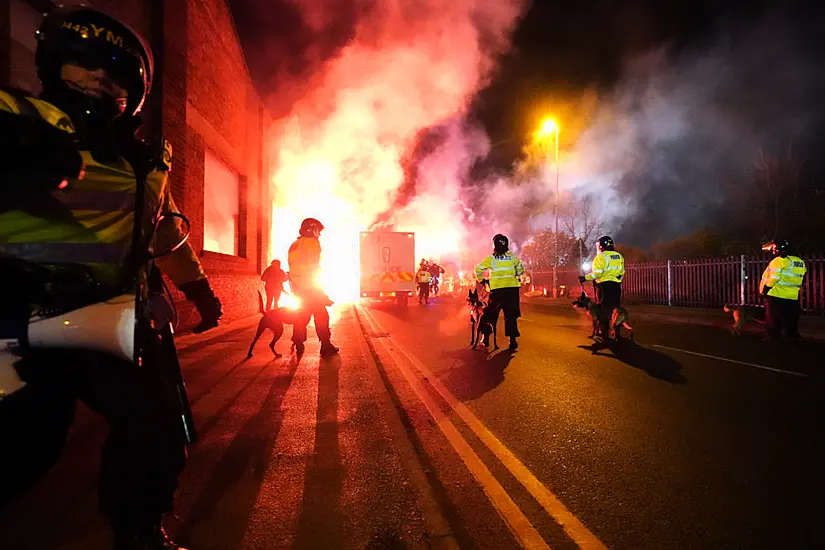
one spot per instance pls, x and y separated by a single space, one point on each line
687 438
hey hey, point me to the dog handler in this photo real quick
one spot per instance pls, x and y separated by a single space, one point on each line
607 274
304 269
780 285
96 73
505 270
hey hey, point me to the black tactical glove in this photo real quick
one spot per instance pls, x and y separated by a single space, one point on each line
765 290
582 279
39 154
208 305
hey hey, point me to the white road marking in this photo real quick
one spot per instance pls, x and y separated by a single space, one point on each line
515 519
754 365
574 528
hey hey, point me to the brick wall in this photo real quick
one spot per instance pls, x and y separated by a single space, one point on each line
208 102
224 114
202 98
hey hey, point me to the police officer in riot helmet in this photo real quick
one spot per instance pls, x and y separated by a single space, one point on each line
79 137
304 258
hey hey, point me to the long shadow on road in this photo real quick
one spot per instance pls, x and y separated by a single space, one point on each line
656 364
474 372
248 452
321 522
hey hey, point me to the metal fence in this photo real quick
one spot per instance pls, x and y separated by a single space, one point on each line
706 282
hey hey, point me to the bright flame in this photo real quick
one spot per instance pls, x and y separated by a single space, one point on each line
342 154
289 301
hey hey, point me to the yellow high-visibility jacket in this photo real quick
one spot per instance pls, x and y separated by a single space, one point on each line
784 276
607 266
304 260
424 276
504 271
99 232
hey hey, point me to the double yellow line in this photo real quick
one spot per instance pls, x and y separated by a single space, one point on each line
519 525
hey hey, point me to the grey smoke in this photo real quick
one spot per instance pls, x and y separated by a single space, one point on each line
680 126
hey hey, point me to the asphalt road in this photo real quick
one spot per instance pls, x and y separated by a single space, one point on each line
650 446
409 439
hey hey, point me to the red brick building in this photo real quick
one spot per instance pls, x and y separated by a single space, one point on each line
203 101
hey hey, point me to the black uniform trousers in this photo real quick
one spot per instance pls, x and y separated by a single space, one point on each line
273 295
609 297
782 315
506 300
423 291
313 304
145 450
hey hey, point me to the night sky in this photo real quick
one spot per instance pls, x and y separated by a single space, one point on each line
559 48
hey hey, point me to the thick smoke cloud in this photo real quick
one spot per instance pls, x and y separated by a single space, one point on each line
377 136
372 108
680 127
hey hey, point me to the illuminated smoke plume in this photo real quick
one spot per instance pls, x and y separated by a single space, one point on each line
662 147
340 155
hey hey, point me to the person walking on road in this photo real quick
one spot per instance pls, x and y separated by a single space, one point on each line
606 273
780 286
274 279
505 271
304 269
435 273
424 279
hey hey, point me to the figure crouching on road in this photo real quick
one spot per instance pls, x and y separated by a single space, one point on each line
304 269
505 270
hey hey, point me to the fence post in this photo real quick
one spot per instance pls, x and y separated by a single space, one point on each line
743 275
669 285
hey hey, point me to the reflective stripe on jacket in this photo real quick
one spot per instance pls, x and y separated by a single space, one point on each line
504 271
424 277
607 266
784 276
97 230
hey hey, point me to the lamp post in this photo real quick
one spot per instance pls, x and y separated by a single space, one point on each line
550 127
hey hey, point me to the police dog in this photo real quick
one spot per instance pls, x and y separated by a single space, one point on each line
744 314
619 318
477 311
274 320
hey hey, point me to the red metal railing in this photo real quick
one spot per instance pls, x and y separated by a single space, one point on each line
705 282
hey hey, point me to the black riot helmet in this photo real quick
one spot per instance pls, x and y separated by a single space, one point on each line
308 226
501 244
778 247
605 243
93 40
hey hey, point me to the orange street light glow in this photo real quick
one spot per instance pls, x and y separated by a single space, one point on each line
549 127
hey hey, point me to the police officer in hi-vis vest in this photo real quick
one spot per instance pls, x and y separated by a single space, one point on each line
780 285
304 260
505 271
69 189
606 273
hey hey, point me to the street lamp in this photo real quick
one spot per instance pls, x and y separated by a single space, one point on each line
549 127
